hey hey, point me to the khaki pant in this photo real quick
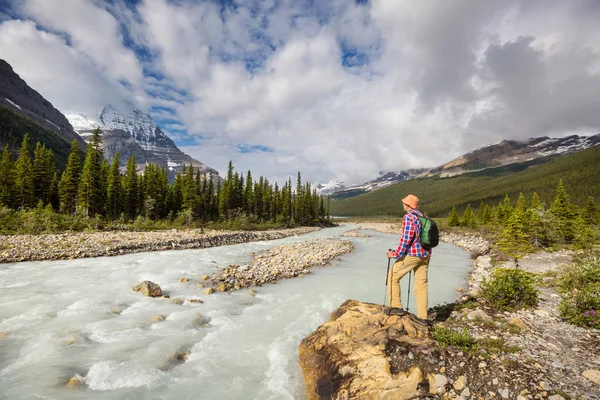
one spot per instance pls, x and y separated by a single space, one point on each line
402 267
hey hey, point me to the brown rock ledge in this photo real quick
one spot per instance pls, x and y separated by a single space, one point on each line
356 355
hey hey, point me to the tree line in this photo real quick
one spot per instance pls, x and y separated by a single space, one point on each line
529 224
98 189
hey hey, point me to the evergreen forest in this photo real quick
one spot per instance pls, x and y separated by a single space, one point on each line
527 224
36 197
579 172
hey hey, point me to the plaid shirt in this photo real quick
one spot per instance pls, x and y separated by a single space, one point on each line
409 240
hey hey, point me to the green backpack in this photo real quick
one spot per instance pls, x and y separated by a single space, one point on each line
430 234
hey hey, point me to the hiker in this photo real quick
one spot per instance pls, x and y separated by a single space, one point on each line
410 256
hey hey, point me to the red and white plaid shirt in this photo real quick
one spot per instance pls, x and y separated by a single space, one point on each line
409 239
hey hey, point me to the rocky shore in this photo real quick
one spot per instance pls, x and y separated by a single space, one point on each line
281 262
527 354
112 243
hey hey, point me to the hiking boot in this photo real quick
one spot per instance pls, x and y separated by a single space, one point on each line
424 322
395 311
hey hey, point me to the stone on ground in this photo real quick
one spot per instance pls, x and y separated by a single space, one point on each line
148 288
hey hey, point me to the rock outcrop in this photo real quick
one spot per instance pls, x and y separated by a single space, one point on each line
362 353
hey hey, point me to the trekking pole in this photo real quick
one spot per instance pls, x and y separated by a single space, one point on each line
386 284
408 297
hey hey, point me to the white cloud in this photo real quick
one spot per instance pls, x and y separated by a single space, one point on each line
60 73
338 90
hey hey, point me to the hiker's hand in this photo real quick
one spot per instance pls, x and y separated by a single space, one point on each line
390 254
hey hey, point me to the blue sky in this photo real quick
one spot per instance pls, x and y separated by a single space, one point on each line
339 90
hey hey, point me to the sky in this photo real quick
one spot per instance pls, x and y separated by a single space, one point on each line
338 89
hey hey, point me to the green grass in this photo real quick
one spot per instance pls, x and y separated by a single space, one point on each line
580 173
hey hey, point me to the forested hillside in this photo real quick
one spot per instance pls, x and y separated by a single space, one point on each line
14 126
580 173
36 198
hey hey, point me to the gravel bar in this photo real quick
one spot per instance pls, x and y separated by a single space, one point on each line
281 262
66 246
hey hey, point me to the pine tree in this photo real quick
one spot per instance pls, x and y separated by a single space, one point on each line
299 216
68 187
248 200
43 171
7 179
90 186
504 211
113 189
513 240
536 203
486 215
584 237
24 176
54 197
520 203
453 219
469 219
562 211
226 194
590 212
130 189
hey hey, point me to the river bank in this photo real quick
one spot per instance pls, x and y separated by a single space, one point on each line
66 246
526 354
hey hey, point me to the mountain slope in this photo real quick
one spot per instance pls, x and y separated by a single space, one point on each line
506 152
509 152
130 131
579 171
16 95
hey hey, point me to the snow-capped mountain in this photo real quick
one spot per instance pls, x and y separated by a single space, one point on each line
509 152
324 189
129 131
499 154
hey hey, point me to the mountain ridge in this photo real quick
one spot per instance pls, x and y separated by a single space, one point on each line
18 96
130 131
500 154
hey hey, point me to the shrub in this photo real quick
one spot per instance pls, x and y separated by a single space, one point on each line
450 337
579 286
510 289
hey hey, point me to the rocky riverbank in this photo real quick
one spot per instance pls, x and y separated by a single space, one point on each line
527 354
80 245
281 262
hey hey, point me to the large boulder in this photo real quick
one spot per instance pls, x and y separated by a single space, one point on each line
362 353
148 288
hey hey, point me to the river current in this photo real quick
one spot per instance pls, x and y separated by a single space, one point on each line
80 317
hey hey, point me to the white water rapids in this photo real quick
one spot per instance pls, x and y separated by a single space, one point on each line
62 318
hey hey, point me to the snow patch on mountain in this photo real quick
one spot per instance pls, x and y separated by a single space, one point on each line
329 187
14 104
82 122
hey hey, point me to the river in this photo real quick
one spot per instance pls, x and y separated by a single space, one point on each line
62 318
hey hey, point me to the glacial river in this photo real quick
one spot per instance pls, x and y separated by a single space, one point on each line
80 317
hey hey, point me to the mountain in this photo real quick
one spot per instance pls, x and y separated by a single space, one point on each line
24 111
504 153
579 171
384 179
330 187
18 96
509 152
129 131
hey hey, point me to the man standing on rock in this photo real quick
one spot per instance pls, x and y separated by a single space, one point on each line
410 256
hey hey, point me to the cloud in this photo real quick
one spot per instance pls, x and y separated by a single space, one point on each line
338 89
63 75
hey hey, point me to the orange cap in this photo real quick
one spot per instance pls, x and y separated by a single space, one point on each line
411 200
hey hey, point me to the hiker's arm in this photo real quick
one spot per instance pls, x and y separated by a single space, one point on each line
408 230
